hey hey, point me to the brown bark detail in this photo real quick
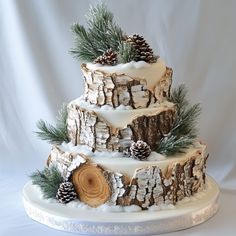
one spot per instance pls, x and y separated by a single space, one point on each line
162 88
145 189
188 176
169 186
204 168
199 172
91 185
117 185
76 133
119 89
178 176
86 127
152 128
125 138
158 195
149 186
64 160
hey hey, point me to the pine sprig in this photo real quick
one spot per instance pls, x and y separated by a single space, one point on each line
179 97
103 27
49 180
85 49
54 134
102 34
126 52
171 144
184 130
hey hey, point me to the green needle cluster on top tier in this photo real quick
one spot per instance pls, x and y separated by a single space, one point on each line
103 34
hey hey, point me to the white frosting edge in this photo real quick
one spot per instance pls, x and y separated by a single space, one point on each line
123 115
76 204
151 72
116 162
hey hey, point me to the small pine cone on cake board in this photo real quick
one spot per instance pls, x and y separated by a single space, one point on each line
140 150
66 192
107 58
143 51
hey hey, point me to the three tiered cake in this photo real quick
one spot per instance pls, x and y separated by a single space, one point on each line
129 143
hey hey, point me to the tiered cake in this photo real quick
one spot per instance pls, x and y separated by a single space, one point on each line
121 105
130 140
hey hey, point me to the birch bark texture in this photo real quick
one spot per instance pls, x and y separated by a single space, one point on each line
151 185
120 89
86 127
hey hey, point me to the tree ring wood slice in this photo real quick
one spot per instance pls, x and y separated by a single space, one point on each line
91 185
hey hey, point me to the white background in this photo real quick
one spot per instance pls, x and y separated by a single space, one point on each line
37 74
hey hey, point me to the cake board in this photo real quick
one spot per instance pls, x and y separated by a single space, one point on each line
185 214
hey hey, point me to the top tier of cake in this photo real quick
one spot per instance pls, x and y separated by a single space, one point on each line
134 84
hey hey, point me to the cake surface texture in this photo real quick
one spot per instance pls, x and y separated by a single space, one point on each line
130 139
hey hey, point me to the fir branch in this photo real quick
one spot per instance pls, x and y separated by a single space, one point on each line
184 130
179 97
171 144
103 27
85 49
49 180
126 52
102 33
54 134
62 119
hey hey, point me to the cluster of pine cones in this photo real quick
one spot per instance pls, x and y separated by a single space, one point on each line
143 52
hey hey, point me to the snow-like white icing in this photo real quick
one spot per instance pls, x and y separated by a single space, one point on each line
82 103
151 72
122 115
116 162
34 192
133 208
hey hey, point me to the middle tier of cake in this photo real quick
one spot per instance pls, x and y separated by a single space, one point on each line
115 129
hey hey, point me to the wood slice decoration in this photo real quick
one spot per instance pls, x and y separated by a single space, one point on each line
91 185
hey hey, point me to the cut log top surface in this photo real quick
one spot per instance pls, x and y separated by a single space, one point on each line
127 166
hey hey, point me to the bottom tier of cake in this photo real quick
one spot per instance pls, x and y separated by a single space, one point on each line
108 177
122 220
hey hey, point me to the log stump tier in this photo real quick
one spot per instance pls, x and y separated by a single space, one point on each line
120 89
94 130
150 185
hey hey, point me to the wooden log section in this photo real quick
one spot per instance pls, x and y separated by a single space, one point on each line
65 161
86 127
152 128
91 185
120 89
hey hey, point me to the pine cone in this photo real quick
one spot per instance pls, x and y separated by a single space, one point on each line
66 192
140 150
143 52
107 58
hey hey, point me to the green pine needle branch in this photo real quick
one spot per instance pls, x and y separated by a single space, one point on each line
54 134
101 34
126 52
184 131
49 180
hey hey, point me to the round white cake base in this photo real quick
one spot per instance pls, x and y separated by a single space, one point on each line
93 222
